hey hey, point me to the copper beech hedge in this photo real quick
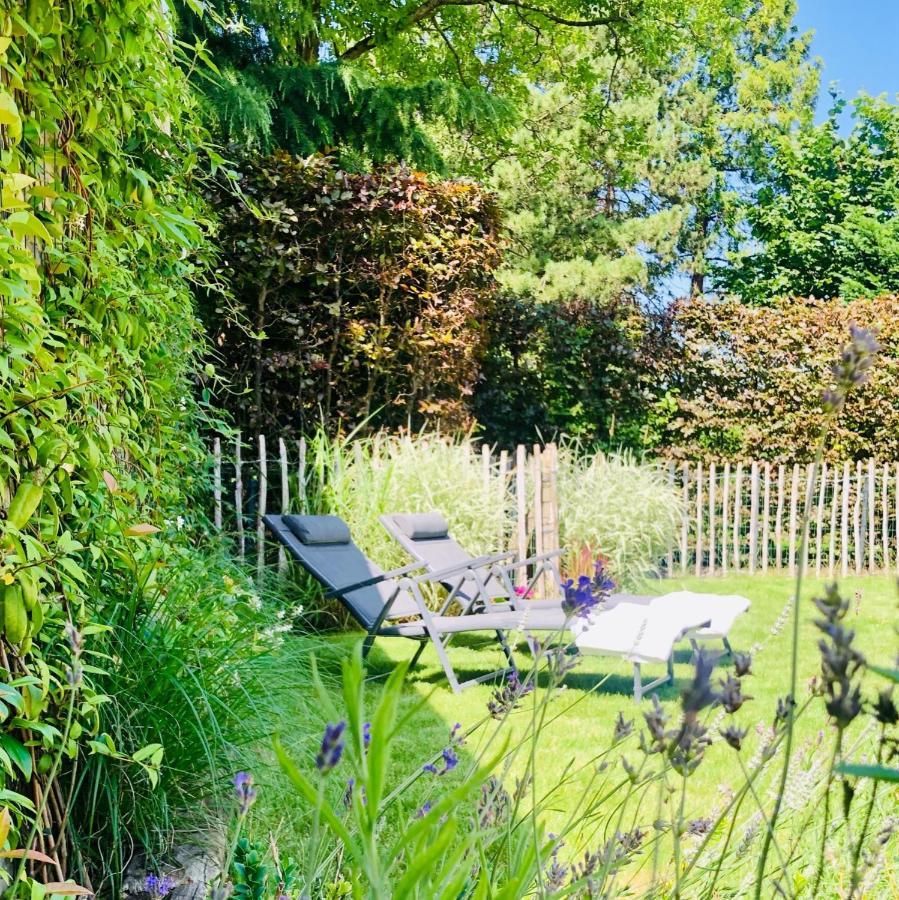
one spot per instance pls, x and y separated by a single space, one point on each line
357 296
746 382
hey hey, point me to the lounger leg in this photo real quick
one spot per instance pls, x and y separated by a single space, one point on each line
727 647
671 667
507 650
638 683
418 653
447 665
366 645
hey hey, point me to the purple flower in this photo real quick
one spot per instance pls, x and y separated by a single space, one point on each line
366 735
244 791
506 698
424 810
331 749
158 887
582 598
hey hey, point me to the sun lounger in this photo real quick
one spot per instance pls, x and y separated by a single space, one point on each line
391 604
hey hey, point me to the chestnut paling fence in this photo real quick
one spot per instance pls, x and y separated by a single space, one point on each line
735 516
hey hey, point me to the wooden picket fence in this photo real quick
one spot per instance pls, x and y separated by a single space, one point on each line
736 517
747 517
267 476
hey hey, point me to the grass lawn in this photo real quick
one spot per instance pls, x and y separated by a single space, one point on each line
583 713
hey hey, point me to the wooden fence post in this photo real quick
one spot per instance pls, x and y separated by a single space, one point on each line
738 508
261 510
844 523
871 494
685 524
725 518
503 495
700 516
832 543
885 518
521 504
537 465
550 511
238 498
712 523
217 482
766 516
857 518
810 471
302 505
778 522
285 497
753 515
669 559
794 502
819 519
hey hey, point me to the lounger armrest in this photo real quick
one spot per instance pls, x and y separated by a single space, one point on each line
375 579
531 560
479 562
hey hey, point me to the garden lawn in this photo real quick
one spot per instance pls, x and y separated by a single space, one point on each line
582 714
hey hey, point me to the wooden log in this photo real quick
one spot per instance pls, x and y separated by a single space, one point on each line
685 519
857 518
778 518
713 484
753 516
885 518
794 505
302 505
819 519
537 461
725 517
486 467
700 516
844 520
738 509
285 497
238 498
832 537
871 495
521 510
217 482
550 511
766 516
261 509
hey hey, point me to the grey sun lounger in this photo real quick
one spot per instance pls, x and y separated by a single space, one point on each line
391 604
637 628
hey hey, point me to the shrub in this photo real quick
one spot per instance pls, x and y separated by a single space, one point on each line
745 382
616 507
364 294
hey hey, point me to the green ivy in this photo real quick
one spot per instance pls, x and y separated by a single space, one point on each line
101 234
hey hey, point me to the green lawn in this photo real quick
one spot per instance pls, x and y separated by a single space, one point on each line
584 711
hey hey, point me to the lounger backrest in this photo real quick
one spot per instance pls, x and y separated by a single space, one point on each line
426 537
323 547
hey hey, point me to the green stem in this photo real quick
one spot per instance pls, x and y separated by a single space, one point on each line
856 854
54 770
794 669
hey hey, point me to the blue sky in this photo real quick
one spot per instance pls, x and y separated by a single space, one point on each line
858 41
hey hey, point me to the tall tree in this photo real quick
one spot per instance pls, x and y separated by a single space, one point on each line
824 222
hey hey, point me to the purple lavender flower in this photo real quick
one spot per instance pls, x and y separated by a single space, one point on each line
506 698
581 599
244 791
158 887
424 810
366 735
331 749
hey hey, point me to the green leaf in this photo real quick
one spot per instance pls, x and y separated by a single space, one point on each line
26 224
17 753
891 674
861 770
24 503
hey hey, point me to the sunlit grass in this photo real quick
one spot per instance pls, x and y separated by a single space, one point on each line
583 714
